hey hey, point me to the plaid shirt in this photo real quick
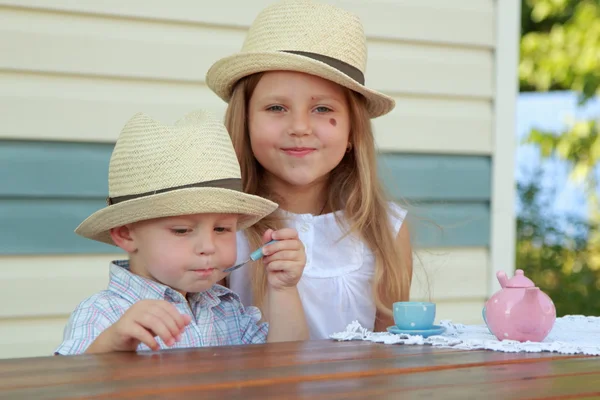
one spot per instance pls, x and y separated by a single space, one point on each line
218 316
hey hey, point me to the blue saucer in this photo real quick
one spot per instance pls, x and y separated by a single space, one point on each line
434 330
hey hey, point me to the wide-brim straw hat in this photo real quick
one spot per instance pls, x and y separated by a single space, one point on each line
302 36
158 170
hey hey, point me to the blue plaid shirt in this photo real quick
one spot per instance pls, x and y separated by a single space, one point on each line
218 317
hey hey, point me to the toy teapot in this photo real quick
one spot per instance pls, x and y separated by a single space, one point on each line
519 311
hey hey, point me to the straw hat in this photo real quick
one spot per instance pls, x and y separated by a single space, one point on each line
158 170
303 36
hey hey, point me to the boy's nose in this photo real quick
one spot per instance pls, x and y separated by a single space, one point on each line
205 246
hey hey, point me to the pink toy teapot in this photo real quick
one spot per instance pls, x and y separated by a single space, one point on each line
520 310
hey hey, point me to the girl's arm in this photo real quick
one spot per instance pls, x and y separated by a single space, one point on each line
382 321
286 315
284 260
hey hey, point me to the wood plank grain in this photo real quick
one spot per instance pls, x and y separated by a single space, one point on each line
514 381
187 371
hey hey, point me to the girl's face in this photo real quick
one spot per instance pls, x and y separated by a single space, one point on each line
299 127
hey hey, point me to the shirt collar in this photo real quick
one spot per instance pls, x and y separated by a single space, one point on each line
134 288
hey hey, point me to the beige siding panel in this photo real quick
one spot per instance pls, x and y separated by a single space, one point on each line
76 108
32 337
33 326
56 284
450 274
464 22
72 44
466 311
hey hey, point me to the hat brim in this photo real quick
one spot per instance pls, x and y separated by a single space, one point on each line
226 72
174 203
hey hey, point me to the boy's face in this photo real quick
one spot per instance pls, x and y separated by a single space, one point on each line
187 253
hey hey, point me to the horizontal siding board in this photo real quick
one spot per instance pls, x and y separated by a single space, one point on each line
133 49
450 224
444 274
440 274
85 109
57 169
53 169
464 311
431 178
30 337
45 226
465 22
50 187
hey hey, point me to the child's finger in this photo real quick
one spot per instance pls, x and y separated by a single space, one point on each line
290 255
283 266
267 236
158 327
140 333
282 245
168 320
182 320
285 233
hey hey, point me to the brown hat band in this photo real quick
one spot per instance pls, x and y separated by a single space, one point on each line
341 66
229 183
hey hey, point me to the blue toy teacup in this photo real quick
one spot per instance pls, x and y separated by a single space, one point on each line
414 315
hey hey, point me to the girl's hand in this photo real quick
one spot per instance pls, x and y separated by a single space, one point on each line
284 259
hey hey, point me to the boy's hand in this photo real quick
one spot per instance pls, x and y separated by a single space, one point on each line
284 259
141 323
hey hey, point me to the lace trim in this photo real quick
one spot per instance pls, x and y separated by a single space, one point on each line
571 334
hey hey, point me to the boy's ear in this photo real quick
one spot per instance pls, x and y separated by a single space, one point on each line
122 237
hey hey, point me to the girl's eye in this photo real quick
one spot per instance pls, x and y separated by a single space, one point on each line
180 231
323 109
276 108
221 229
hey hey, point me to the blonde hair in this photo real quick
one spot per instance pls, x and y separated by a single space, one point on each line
354 187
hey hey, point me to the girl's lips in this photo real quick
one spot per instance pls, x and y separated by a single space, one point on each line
298 151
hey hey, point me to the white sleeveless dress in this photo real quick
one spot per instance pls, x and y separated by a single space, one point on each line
335 287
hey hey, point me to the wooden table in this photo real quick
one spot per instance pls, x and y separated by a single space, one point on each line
304 370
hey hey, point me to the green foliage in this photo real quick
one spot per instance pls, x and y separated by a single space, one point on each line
561 263
560 50
560 46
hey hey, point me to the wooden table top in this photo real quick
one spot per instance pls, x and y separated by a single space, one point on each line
304 370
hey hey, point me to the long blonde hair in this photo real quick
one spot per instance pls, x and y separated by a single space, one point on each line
354 187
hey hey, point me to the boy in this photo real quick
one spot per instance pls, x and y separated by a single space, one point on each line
175 205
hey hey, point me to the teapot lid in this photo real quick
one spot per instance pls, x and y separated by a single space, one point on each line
519 280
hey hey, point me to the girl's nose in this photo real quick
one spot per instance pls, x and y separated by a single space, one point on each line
301 124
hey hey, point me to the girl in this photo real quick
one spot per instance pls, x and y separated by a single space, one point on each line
299 117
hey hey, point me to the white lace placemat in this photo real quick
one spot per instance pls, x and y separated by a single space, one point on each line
571 334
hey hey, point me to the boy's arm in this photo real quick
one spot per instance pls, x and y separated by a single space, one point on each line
287 321
86 323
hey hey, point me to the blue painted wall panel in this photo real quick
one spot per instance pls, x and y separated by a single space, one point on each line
48 188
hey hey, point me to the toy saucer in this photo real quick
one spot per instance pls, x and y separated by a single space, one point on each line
434 330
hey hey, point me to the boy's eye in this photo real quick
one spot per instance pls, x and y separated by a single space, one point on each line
180 231
276 108
323 109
